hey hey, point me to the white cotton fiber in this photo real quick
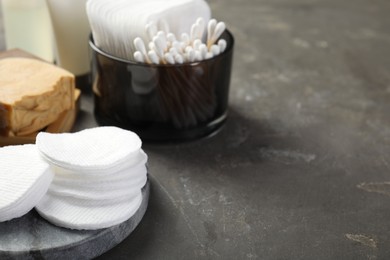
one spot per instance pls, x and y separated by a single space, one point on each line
24 180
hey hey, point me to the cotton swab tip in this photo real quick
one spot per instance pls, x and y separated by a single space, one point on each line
222 45
139 45
159 45
171 37
210 29
139 57
208 55
153 57
169 58
185 38
215 50
219 29
196 44
194 32
198 56
203 50
179 59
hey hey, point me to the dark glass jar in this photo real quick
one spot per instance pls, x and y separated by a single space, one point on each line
162 102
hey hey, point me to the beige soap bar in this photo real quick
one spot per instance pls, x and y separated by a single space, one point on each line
33 94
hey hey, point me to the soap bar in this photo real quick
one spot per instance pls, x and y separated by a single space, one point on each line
24 180
33 94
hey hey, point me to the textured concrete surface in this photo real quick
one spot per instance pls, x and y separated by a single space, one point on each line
302 168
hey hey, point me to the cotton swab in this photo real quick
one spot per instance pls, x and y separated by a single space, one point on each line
219 29
194 32
173 51
159 46
139 57
166 48
196 44
171 37
222 45
201 26
153 57
162 36
210 30
179 46
179 59
169 58
208 55
203 50
151 45
215 50
190 55
140 47
185 38
198 55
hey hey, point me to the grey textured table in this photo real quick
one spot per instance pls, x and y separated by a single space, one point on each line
302 168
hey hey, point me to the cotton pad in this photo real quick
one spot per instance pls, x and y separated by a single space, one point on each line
99 174
119 171
24 180
78 214
94 193
92 150
104 184
28 201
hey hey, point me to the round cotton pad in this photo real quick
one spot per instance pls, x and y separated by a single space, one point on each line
78 214
99 149
96 194
102 184
22 185
123 170
99 190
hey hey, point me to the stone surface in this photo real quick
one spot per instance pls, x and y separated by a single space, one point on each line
32 237
301 169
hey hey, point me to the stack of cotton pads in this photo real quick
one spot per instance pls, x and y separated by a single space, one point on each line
115 24
99 173
24 180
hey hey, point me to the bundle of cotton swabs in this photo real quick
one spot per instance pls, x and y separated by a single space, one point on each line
165 47
115 24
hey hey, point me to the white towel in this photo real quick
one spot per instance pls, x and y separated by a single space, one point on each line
24 180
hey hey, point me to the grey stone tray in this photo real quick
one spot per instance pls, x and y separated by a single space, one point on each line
32 237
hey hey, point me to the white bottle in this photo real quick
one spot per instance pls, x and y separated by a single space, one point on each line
27 26
71 31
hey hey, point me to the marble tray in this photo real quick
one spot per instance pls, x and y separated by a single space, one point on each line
32 237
